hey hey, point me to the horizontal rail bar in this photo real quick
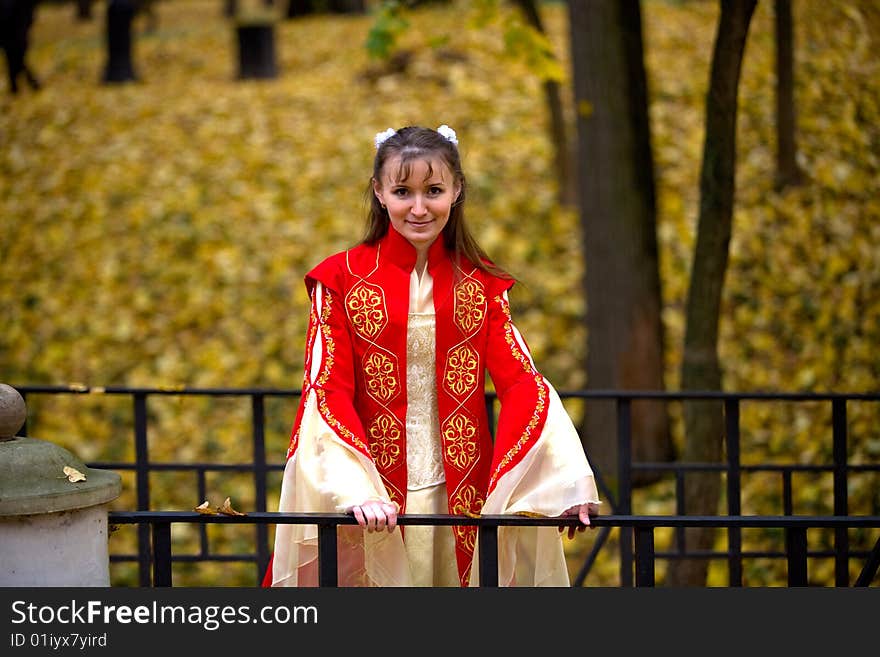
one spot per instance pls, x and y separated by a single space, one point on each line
646 466
758 467
130 517
578 394
186 467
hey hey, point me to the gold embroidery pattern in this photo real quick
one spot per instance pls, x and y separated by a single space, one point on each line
461 370
460 440
330 350
380 373
394 493
365 304
470 305
466 502
385 440
540 386
466 537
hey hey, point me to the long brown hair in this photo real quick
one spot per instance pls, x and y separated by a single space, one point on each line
411 143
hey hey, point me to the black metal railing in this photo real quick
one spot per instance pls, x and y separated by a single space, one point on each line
620 500
795 528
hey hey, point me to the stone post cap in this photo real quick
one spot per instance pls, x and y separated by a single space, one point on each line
37 476
13 412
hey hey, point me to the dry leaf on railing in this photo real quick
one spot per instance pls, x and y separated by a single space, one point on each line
205 508
228 510
73 475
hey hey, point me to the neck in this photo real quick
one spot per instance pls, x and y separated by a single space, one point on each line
421 261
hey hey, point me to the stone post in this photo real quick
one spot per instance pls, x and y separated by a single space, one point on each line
53 509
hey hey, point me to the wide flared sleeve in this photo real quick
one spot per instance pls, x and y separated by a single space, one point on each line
329 469
539 465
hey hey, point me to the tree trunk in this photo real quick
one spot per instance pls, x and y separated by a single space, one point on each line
563 155
787 170
615 174
83 10
119 68
701 369
256 51
299 8
346 6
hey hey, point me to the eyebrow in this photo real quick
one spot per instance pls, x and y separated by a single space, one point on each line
404 171
427 182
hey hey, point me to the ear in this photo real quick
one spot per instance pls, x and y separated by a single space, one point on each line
377 191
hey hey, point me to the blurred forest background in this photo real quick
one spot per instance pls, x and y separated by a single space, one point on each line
156 232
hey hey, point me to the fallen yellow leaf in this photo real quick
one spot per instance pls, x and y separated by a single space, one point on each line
205 508
73 474
227 509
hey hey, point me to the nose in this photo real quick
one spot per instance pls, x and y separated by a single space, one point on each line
419 209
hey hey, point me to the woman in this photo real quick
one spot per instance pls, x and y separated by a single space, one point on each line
403 329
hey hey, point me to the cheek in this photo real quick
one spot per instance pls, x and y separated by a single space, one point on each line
394 205
396 211
444 207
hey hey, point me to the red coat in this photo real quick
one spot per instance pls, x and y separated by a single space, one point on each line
361 386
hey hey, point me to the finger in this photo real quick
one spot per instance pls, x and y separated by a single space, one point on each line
359 516
381 518
369 517
391 516
592 511
382 513
584 516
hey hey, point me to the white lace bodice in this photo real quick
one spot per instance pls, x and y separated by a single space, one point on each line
424 459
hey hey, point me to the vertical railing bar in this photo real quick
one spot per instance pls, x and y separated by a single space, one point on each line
787 499
870 567
644 556
680 535
202 485
796 552
624 472
261 531
841 500
488 555
161 554
327 560
591 557
142 482
734 489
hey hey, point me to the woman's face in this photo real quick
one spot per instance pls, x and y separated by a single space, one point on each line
419 204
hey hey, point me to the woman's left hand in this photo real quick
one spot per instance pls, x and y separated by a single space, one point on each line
375 515
583 512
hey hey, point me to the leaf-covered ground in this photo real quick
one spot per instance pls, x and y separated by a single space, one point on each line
156 233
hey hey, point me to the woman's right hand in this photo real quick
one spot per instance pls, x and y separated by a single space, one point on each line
376 515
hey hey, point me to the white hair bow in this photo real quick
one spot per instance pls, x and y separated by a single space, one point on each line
449 133
382 136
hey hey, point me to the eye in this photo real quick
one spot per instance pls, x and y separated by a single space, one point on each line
400 191
435 191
